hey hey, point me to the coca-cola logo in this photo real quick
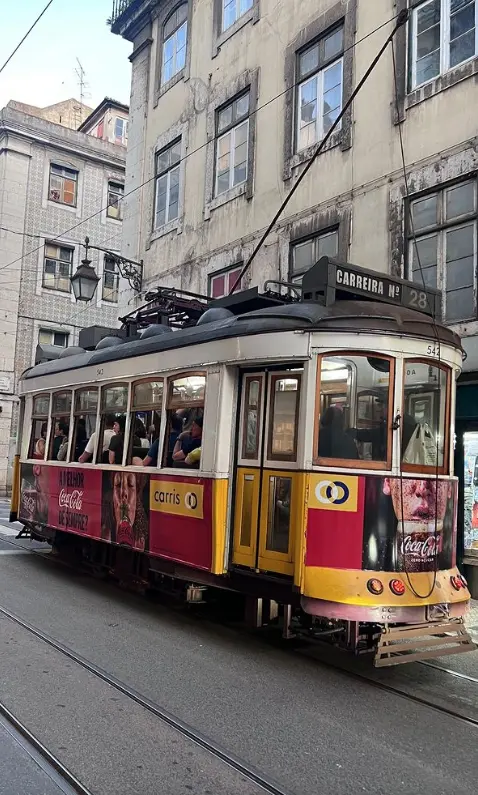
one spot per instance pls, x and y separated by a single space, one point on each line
29 503
421 546
73 500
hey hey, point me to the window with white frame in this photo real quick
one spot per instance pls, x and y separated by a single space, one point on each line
320 88
49 337
115 200
57 264
305 253
121 131
442 247
166 203
175 35
443 34
63 185
232 144
111 279
222 282
232 10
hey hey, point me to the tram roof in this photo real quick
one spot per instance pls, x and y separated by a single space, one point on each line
342 316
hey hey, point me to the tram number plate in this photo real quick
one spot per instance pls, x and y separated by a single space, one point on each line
437 611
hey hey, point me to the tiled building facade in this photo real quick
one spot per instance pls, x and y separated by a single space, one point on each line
55 188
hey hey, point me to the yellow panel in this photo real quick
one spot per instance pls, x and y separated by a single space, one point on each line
219 525
246 515
180 499
15 500
349 586
283 562
333 492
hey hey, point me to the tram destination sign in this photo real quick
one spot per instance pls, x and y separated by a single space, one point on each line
330 281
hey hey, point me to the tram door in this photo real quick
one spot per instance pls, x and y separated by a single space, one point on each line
267 495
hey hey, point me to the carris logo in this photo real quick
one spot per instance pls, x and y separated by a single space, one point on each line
330 492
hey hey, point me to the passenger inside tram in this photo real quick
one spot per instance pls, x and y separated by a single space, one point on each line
187 444
115 454
108 434
334 442
60 441
40 444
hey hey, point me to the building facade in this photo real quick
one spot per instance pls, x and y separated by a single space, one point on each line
57 186
229 100
108 122
69 113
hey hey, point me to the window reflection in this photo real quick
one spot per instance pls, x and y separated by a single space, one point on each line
424 420
354 399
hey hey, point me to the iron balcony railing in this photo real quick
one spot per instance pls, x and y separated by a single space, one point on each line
119 7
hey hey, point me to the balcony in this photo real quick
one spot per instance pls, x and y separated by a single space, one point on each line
129 16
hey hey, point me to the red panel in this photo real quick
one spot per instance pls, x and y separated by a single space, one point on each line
186 539
335 538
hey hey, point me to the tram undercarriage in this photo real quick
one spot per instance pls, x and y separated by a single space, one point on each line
265 603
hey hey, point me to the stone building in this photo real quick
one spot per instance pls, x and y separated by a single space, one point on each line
57 185
229 99
69 113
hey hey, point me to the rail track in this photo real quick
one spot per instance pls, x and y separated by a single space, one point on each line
203 741
63 780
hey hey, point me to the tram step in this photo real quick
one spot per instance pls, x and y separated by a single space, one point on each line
398 645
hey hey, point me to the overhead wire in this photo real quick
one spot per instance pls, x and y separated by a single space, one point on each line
197 149
410 223
25 36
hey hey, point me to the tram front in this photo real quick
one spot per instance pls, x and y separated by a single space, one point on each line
380 543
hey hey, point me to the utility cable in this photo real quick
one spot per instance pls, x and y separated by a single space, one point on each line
401 20
201 147
410 222
25 36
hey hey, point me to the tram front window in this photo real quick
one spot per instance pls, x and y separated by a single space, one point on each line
424 431
355 393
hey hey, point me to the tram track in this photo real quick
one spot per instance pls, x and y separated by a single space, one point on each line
198 737
247 771
62 778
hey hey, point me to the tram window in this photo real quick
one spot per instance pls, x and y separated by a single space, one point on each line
114 402
251 413
278 520
40 412
145 423
185 409
84 436
284 411
355 393
424 425
60 426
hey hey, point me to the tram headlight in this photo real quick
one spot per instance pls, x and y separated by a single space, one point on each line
457 583
397 587
375 586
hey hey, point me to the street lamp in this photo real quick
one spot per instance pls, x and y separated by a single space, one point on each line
85 280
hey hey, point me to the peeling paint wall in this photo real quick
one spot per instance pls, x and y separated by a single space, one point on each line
356 185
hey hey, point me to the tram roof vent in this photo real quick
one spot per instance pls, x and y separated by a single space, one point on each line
214 315
108 342
73 351
155 331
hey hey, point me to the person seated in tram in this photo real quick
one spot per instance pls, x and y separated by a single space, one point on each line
81 438
40 444
115 450
60 441
334 442
376 436
187 442
108 434
140 432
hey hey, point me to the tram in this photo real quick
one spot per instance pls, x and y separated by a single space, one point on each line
296 451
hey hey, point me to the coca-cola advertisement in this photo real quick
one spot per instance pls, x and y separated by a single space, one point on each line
125 509
409 524
75 500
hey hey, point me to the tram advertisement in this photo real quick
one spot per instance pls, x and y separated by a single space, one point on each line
131 509
409 524
381 524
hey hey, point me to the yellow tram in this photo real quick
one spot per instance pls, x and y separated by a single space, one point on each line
296 451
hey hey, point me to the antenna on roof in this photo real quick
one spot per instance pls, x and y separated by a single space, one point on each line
84 94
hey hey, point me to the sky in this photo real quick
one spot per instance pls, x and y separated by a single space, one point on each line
43 70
